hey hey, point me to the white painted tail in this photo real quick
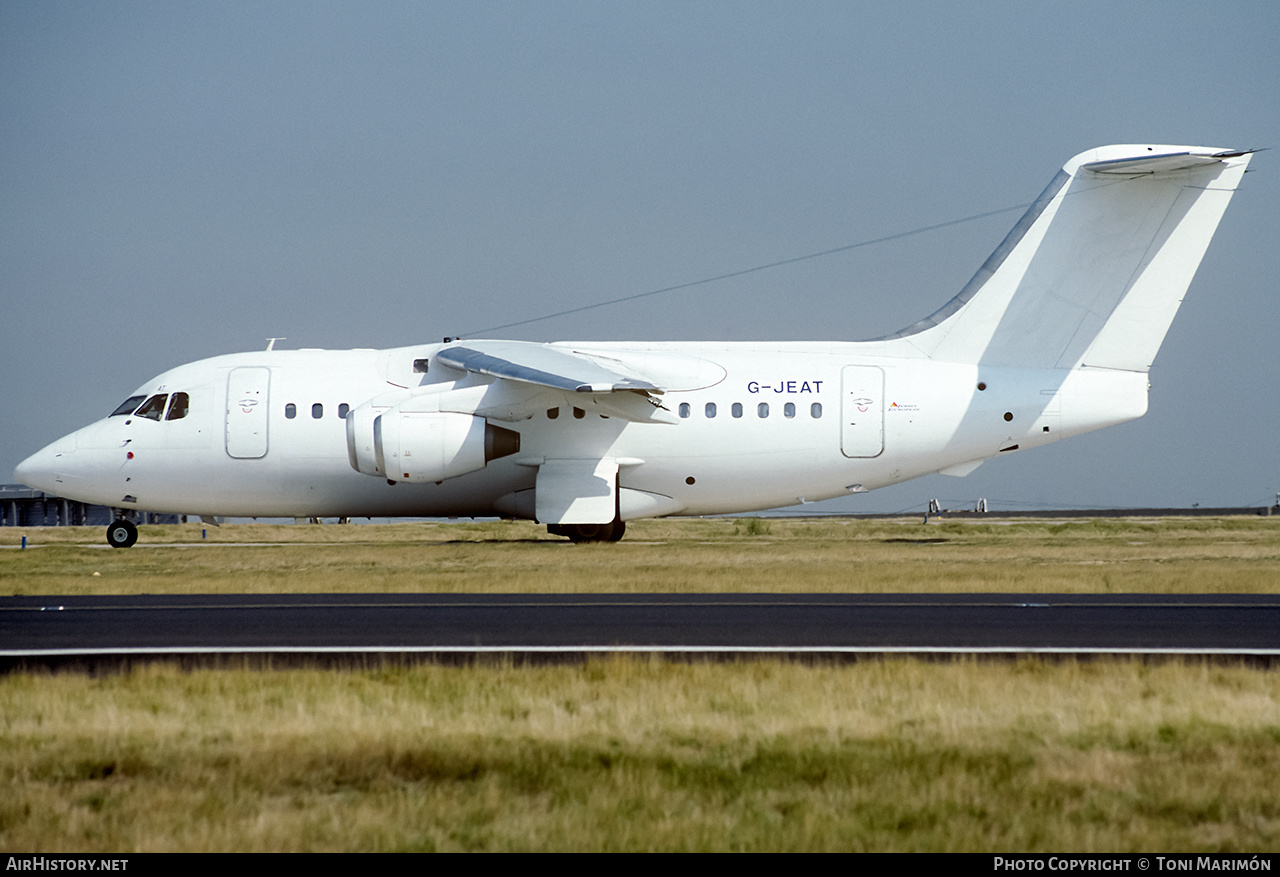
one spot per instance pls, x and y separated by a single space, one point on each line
1093 273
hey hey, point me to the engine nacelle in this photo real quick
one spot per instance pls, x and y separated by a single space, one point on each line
432 446
361 452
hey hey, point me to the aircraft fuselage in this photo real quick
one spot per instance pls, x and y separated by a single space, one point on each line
776 425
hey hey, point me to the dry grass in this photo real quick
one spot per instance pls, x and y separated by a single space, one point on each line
1175 555
639 754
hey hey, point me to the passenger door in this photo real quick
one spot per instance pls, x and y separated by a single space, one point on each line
247 412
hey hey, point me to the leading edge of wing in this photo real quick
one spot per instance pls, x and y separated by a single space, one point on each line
533 363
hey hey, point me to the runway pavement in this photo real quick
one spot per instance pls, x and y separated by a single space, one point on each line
713 623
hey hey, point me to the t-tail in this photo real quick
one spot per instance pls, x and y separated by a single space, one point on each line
1093 273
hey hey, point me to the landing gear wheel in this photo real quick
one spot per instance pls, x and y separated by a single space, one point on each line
122 533
610 532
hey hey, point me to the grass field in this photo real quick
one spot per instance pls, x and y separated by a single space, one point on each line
641 753
1176 555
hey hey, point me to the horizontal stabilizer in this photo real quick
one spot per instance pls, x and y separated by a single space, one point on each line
1157 164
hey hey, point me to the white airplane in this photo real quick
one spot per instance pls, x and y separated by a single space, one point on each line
1053 337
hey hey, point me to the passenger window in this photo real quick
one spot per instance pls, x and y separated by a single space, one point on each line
578 413
553 413
789 410
711 410
290 411
684 409
153 408
128 406
343 410
317 411
736 410
179 407
762 410
815 410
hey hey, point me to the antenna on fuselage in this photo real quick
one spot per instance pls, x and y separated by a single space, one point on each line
271 342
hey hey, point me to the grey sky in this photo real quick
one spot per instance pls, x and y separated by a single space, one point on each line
183 180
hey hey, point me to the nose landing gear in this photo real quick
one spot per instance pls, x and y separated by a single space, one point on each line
122 533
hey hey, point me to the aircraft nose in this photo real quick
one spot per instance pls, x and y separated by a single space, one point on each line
33 472
38 470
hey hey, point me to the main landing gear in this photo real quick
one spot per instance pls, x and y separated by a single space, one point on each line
122 533
610 532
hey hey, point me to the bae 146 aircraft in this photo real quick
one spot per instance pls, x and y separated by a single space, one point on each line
1053 337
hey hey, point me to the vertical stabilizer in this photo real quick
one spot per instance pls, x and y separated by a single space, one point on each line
1093 273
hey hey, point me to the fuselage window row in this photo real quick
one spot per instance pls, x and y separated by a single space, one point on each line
762 410
317 411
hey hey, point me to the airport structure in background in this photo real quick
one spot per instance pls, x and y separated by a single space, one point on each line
22 506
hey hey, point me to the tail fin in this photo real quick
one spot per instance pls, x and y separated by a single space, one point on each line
1093 273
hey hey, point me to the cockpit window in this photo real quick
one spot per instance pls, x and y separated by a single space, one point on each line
128 406
179 407
153 408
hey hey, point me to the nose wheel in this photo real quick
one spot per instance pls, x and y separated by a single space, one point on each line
122 533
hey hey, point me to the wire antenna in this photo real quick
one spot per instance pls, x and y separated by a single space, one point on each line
794 259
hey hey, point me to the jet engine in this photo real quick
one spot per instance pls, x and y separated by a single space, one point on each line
425 446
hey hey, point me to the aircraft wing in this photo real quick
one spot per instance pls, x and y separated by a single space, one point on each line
540 364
